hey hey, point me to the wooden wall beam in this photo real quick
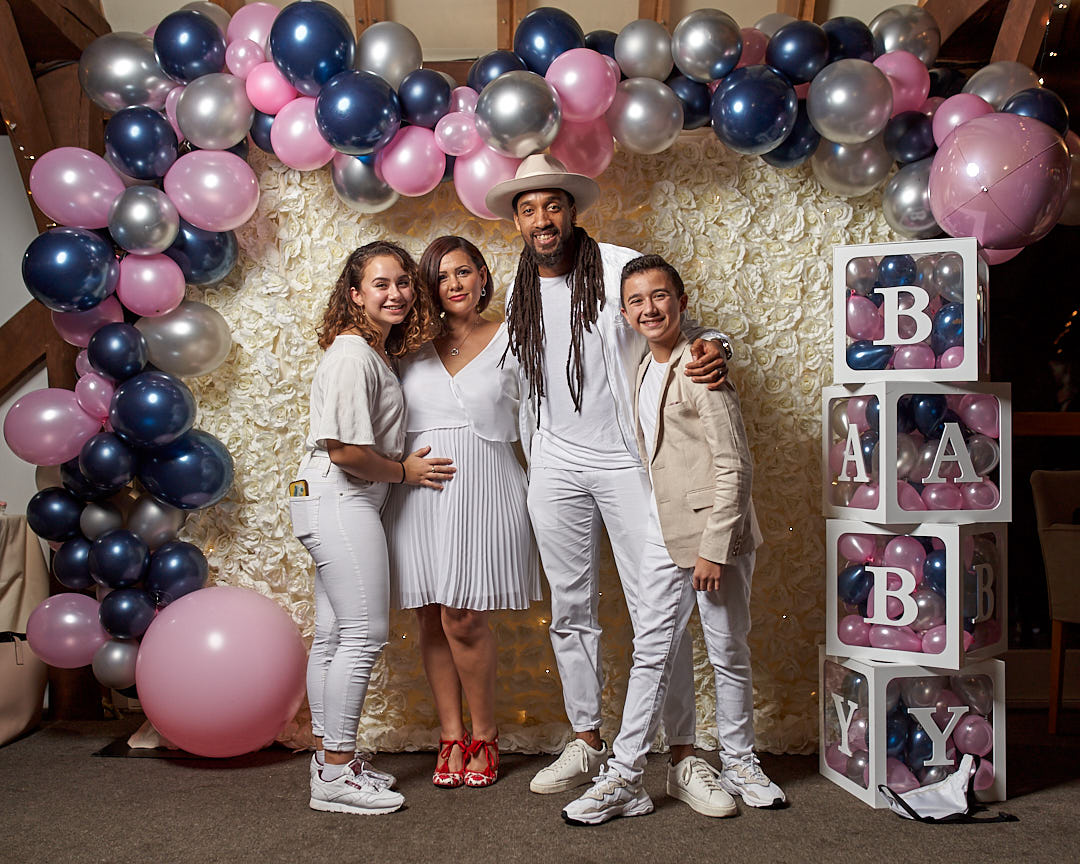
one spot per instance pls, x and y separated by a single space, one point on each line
508 14
1022 31
658 10
950 14
57 29
801 9
24 349
230 6
368 12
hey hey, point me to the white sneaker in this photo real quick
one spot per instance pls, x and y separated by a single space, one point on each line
577 765
362 766
353 792
744 777
609 796
697 783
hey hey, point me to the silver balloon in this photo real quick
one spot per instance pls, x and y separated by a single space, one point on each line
855 688
99 517
921 692
933 774
119 70
154 522
851 169
838 419
706 45
985 551
907 28
924 273
143 220
858 764
949 277
646 116
906 201
389 50
924 461
861 274
892 695
46 476
769 24
977 691
842 493
931 610
984 452
359 186
114 664
214 112
191 340
999 81
212 11
448 78
643 50
907 452
849 101
518 114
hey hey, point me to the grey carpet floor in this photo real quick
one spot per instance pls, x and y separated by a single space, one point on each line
60 803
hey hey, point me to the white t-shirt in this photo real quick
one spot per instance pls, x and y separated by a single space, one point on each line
356 399
567 439
648 414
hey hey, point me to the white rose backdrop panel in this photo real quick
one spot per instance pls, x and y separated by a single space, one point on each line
753 244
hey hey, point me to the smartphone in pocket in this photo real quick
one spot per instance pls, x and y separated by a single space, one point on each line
298 489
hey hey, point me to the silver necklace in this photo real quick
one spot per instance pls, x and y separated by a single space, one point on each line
456 350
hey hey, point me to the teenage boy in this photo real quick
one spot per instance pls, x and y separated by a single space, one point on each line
701 537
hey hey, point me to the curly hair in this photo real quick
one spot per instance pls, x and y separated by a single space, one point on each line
431 259
342 314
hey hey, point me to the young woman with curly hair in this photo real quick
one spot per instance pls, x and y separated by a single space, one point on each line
355 450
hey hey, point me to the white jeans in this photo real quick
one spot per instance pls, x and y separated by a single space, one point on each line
566 508
339 524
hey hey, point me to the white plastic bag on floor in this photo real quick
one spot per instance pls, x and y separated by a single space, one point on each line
948 800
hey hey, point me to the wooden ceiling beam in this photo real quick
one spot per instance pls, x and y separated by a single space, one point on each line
1022 31
801 9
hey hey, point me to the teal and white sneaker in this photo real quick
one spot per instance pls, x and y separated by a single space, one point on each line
609 796
744 777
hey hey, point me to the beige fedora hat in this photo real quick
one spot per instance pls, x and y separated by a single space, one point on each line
540 171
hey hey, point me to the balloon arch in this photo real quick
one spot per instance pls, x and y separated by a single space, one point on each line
988 156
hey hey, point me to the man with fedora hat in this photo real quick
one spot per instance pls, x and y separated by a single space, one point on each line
580 358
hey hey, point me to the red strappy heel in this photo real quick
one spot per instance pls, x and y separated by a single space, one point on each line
443 777
490 772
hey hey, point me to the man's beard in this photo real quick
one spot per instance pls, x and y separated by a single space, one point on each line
547 259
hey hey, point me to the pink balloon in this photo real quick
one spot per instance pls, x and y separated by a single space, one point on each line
909 78
267 89
213 189
968 639
858 731
956 110
853 630
907 497
64 630
252 22
981 412
221 671
94 393
864 320
906 552
801 90
412 163
935 640
242 56
894 638
74 187
475 174
917 356
150 285
76 328
973 734
951 357
983 495
295 137
455 134
613 64
984 775
754 43
856 410
170 110
945 699
463 99
835 759
999 256
942 496
47 426
82 363
898 776
931 105
857 548
584 148
865 497
584 82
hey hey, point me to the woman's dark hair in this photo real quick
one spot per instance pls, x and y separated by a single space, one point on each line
431 259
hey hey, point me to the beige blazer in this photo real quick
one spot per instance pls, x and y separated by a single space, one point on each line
701 467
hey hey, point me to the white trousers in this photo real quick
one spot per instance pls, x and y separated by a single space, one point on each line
567 508
339 524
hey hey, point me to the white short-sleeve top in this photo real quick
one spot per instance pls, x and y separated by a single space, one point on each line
356 399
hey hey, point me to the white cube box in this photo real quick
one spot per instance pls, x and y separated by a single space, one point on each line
902 452
909 311
908 726
931 593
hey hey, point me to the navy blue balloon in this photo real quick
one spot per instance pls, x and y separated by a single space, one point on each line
946 82
798 146
118 558
543 35
905 416
241 148
70 564
1039 104
873 412
695 98
928 410
448 171
126 613
602 41
754 110
948 327
311 42
117 350
849 38
106 460
176 568
855 688
935 571
876 298
53 514
260 131
897 270
192 472
140 142
188 44
927 544
425 97
897 728
799 49
152 409
909 137
81 486
358 112
205 257
70 269
853 584
868 442
865 355
493 64
920 747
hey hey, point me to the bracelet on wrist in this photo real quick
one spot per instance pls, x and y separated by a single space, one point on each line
402 464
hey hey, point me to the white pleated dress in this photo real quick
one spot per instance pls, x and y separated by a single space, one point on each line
469 546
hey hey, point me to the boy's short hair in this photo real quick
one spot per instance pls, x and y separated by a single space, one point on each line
643 264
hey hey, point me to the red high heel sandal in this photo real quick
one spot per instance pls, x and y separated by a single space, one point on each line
490 773
443 777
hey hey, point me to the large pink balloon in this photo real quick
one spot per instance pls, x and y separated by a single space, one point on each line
242 56
973 734
463 99
956 110
64 630
47 427
584 82
983 495
909 78
150 285
853 630
170 110
213 189
267 89
253 22
864 319
857 548
76 328
981 412
917 356
907 496
951 357
895 638
75 187
412 163
584 148
865 497
295 137
221 671
456 135
942 496
94 393
475 174
907 553
999 256
935 640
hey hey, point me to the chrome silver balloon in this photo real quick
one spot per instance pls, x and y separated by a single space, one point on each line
114 664
931 606
643 50
769 24
999 81
924 273
518 114
143 220
359 186
154 522
705 45
838 419
907 453
389 50
933 774
851 169
214 112
119 70
646 116
985 453
907 28
922 692
190 341
976 691
949 277
861 274
905 201
212 11
98 517
849 101
858 764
